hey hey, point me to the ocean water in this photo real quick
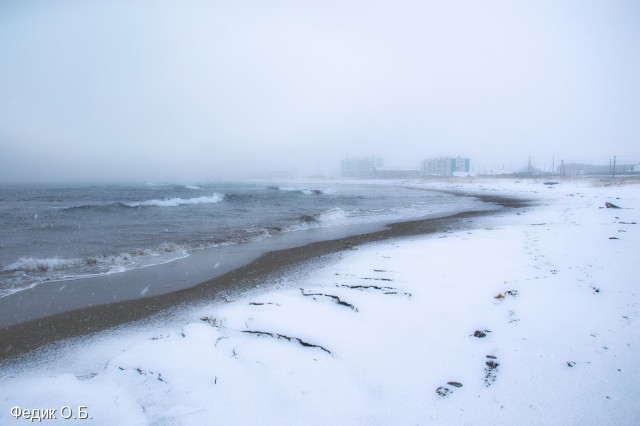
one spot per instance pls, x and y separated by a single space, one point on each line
62 232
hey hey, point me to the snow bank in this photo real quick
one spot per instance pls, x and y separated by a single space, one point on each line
527 318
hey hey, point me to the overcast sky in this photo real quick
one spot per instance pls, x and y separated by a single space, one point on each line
189 90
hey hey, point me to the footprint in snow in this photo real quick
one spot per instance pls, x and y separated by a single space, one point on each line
445 391
491 370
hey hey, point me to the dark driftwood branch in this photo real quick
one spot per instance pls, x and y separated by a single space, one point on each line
331 296
377 279
385 290
288 338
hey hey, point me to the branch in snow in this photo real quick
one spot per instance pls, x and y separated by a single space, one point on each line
288 338
335 298
385 290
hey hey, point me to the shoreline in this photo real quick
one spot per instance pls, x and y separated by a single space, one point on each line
24 337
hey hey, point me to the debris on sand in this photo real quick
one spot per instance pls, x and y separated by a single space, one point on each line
385 290
512 293
287 338
333 297
443 391
491 370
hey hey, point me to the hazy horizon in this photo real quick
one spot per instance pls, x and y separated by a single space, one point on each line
160 91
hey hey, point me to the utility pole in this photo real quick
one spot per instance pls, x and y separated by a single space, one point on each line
530 171
614 166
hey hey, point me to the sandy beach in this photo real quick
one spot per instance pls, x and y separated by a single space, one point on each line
527 315
46 314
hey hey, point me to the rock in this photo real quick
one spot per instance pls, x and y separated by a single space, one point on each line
455 384
479 333
611 205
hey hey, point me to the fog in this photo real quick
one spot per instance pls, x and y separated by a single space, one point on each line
194 90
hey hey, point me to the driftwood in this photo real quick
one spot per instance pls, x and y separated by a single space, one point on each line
287 338
331 296
385 290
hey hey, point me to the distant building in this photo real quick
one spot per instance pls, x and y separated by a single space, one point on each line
363 167
444 166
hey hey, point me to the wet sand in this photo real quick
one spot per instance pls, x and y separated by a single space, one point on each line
18 339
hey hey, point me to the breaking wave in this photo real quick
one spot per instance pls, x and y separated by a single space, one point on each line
334 216
174 202
30 264
167 202
97 264
305 191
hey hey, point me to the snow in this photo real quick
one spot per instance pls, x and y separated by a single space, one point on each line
368 336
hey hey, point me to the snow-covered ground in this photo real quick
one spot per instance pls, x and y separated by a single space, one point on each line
530 317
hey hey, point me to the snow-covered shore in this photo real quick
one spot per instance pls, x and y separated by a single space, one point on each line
528 317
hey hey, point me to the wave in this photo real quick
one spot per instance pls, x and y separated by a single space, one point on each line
334 216
30 264
174 202
167 202
194 187
305 191
98 264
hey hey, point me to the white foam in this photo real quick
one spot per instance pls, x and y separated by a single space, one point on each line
305 191
173 202
334 216
27 272
31 264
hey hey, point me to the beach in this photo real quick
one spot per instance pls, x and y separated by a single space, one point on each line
59 310
527 314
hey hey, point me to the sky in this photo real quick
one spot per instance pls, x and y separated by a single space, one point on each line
142 90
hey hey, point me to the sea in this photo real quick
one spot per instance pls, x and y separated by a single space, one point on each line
64 232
